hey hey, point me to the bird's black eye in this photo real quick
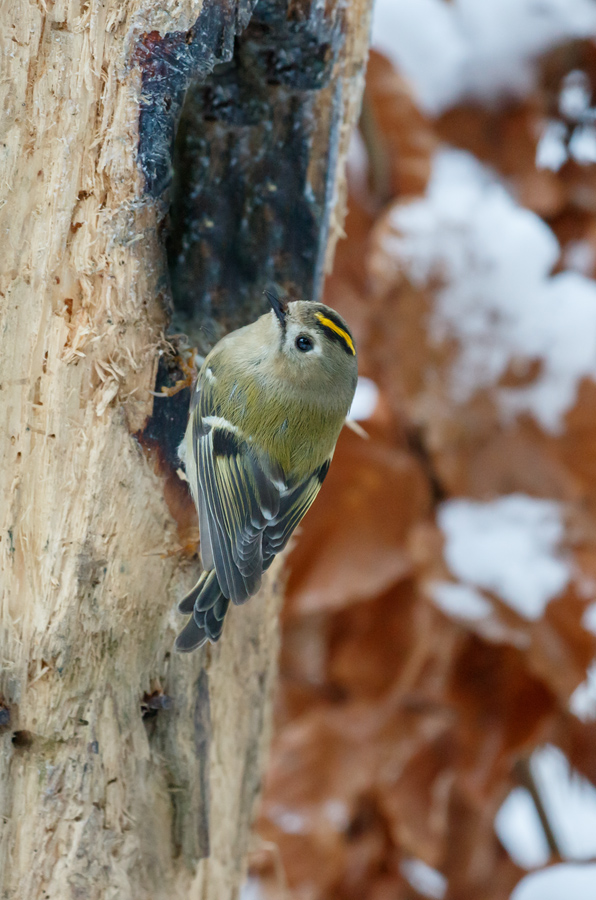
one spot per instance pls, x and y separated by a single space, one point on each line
304 343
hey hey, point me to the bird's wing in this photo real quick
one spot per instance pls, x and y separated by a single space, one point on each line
293 507
238 494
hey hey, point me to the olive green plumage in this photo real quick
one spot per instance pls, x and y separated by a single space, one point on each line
266 412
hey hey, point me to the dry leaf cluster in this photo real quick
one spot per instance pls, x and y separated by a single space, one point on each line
402 726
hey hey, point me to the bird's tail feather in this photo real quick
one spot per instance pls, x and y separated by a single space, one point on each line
187 604
208 607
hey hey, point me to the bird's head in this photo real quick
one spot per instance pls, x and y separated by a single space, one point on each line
315 344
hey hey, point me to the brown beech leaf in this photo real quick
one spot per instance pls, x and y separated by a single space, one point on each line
352 546
399 726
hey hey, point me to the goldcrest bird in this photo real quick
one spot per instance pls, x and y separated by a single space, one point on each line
266 412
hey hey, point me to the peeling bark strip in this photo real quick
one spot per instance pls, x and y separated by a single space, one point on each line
98 799
168 65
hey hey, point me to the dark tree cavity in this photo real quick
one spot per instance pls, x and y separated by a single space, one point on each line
254 159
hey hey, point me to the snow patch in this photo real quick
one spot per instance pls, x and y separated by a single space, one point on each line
575 96
569 800
357 163
561 141
498 299
551 151
558 883
424 41
461 601
589 618
337 812
251 890
570 804
508 546
481 49
582 144
519 830
365 400
424 879
288 820
583 700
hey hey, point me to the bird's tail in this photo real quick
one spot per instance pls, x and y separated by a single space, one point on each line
208 607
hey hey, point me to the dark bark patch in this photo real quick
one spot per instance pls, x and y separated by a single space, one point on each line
168 63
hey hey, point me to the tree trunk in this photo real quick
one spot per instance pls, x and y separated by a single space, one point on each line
127 771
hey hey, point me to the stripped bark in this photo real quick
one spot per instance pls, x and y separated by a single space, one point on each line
101 793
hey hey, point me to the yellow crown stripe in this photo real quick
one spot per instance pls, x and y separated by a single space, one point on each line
340 331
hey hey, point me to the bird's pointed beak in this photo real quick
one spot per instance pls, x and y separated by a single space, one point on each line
278 306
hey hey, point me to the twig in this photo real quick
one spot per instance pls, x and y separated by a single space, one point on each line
525 776
378 155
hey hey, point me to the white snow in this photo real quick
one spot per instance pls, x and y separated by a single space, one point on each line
570 804
560 141
481 49
424 879
498 298
583 700
551 151
251 890
508 546
461 601
558 883
425 43
582 144
338 813
569 800
288 820
589 618
575 96
365 400
357 164
519 830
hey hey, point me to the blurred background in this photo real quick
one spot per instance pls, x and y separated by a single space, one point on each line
436 715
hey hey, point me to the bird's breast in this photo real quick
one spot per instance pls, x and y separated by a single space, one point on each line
299 437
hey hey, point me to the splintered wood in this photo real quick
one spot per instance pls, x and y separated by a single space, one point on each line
102 795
